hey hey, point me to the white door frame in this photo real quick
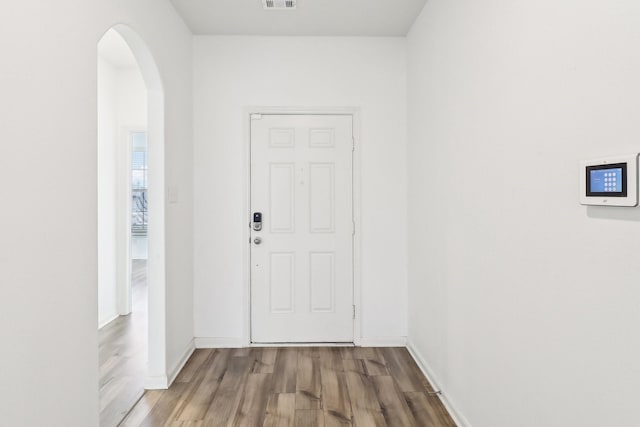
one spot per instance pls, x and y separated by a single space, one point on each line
357 208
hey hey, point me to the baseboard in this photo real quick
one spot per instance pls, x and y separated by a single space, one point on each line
452 408
186 354
301 344
217 342
163 382
382 342
106 322
159 382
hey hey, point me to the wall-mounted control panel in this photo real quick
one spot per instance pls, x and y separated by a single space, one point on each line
611 181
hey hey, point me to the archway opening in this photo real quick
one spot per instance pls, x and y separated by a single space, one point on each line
131 263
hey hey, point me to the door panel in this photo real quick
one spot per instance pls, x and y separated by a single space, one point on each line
322 281
281 197
302 262
282 269
321 197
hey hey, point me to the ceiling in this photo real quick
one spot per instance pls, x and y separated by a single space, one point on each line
310 18
113 49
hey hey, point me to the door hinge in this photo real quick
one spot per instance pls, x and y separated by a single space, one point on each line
353 228
354 311
256 116
353 144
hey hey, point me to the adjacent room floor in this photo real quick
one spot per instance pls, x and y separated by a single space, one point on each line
123 354
307 386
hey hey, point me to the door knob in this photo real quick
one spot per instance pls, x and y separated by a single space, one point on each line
257 240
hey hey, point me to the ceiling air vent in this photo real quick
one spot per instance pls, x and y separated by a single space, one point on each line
279 4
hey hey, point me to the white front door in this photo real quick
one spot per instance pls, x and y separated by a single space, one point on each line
302 257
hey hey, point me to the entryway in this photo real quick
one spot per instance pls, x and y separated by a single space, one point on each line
302 228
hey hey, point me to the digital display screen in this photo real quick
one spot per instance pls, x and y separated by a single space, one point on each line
607 180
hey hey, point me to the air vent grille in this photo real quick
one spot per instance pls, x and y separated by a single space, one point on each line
279 4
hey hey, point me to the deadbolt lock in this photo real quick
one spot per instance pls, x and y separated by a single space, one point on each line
257 221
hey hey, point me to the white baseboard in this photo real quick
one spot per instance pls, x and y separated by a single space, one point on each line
163 382
452 408
177 367
106 322
301 344
382 342
217 342
159 382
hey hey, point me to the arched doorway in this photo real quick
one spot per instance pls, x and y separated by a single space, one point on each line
115 257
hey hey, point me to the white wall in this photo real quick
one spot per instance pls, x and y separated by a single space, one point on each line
132 97
523 303
232 73
48 255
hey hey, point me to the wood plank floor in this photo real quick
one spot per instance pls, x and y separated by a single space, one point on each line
123 354
305 386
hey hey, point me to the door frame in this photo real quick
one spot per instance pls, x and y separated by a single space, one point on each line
355 113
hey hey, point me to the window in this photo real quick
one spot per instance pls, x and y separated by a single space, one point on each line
139 202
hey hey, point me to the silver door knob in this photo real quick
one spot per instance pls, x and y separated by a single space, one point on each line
257 240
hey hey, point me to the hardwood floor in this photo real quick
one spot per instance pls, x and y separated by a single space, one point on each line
123 354
305 386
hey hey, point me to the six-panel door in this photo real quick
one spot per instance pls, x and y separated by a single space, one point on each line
302 260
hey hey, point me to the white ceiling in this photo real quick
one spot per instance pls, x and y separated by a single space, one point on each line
311 18
113 49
